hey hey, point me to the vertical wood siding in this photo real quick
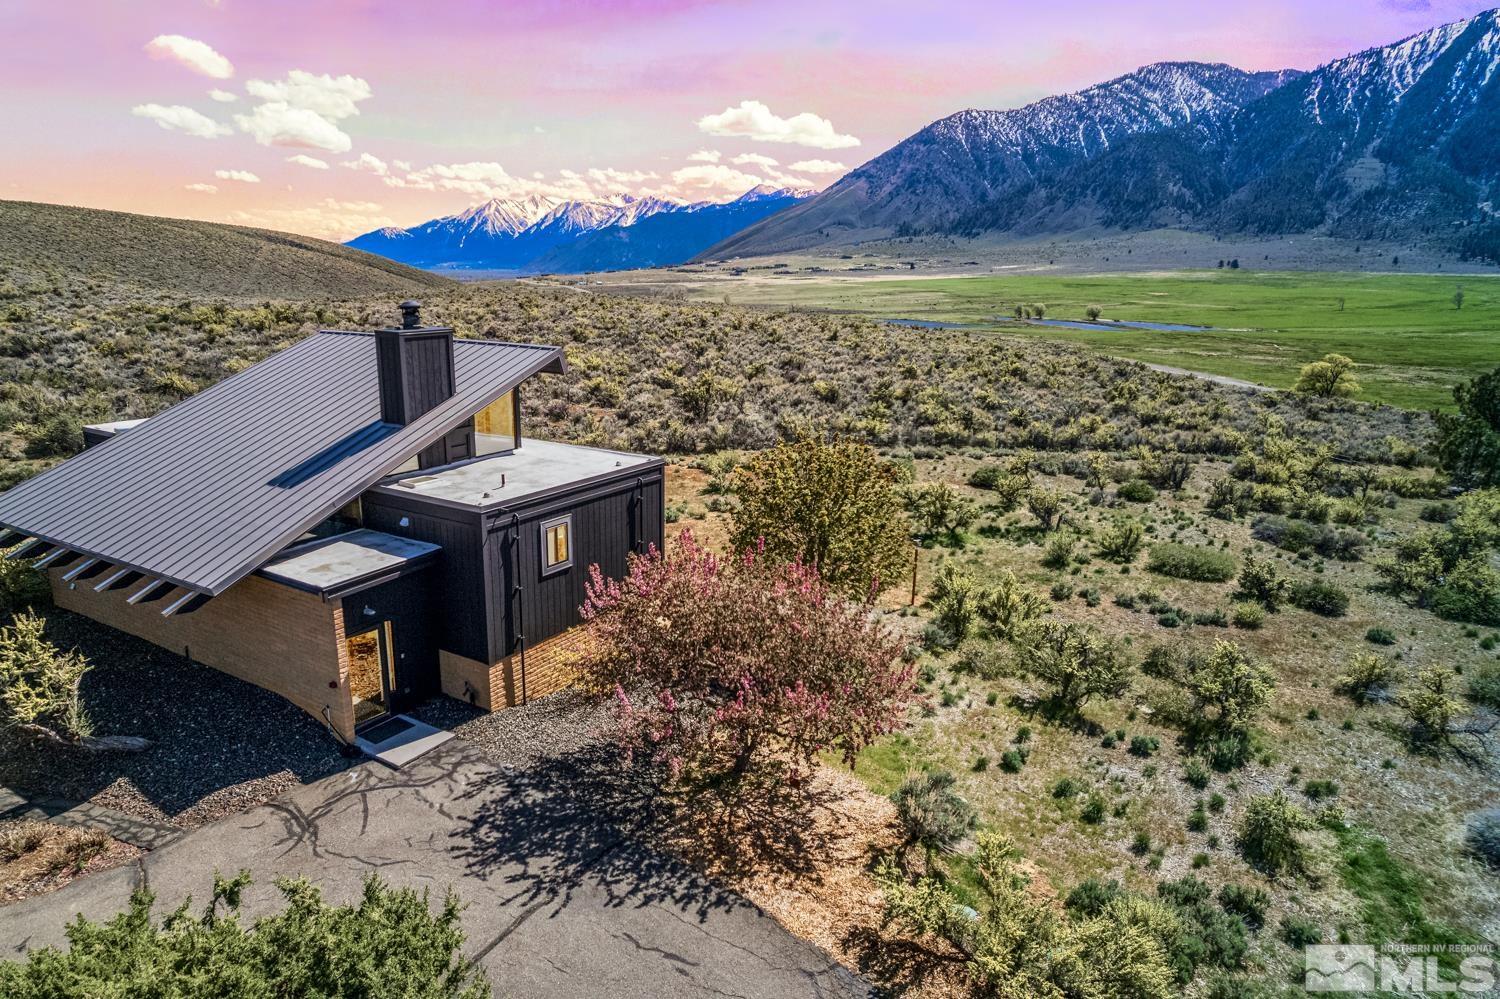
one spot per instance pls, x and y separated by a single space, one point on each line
458 579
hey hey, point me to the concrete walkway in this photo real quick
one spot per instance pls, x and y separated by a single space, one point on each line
559 902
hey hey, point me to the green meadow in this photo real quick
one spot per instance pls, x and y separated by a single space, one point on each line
1411 342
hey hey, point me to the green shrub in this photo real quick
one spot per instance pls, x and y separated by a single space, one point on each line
1067 787
1319 597
1299 932
1144 746
1248 616
1269 834
1380 636
1249 904
1188 562
1122 541
1092 811
833 505
1484 684
1429 704
1259 581
39 682
1092 896
1136 491
21 586
1012 760
1196 774
1366 677
387 943
1059 551
1318 790
931 813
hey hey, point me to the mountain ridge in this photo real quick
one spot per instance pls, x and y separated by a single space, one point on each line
538 234
1394 142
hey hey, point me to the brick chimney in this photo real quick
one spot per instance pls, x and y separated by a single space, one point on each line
415 364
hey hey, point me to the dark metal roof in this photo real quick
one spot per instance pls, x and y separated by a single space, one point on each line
204 493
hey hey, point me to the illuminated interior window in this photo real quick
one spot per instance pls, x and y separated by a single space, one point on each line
557 544
495 427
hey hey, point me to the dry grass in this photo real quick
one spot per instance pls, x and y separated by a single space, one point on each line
804 857
37 857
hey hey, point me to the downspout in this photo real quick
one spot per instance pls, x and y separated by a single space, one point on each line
640 515
328 720
517 596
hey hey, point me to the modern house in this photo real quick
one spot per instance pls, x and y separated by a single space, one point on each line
355 523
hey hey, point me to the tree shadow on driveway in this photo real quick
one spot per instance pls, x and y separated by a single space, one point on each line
583 817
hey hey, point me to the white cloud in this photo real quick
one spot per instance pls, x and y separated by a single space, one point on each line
704 156
178 118
203 188
223 96
714 180
753 120
819 166
195 55
753 159
328 219
300 111
302 159
333 97
369 164
491 180
278 124
243 176
618 179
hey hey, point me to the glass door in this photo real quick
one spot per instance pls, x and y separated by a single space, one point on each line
370 679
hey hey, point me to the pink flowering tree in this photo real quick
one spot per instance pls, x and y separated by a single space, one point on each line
721 663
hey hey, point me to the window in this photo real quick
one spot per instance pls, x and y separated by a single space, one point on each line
495 426
557 544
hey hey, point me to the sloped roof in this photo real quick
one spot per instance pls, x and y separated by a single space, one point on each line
205 492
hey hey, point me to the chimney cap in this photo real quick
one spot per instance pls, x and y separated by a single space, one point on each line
411 314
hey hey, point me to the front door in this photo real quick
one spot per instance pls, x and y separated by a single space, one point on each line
370 679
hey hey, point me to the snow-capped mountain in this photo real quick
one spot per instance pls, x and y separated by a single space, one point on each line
959 162
537 233
1399 141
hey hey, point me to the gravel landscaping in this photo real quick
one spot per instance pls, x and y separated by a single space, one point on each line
218 745
549 728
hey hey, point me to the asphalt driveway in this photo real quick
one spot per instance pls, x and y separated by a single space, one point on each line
560 901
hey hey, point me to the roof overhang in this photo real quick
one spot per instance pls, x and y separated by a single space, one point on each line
208 491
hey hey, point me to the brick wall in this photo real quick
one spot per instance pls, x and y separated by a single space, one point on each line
550 666
271 635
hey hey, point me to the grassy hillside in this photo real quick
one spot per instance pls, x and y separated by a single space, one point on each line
1001 416
187 258
1411 343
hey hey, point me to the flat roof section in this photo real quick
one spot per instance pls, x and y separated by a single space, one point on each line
342 562
114 427
535 468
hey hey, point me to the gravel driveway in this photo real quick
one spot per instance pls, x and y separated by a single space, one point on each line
560 901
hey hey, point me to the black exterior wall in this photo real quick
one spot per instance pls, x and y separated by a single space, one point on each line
475 606
457 581
610 519
407 603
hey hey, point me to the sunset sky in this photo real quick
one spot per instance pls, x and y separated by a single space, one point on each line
333 118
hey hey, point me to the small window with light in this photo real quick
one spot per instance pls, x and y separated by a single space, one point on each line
557 544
